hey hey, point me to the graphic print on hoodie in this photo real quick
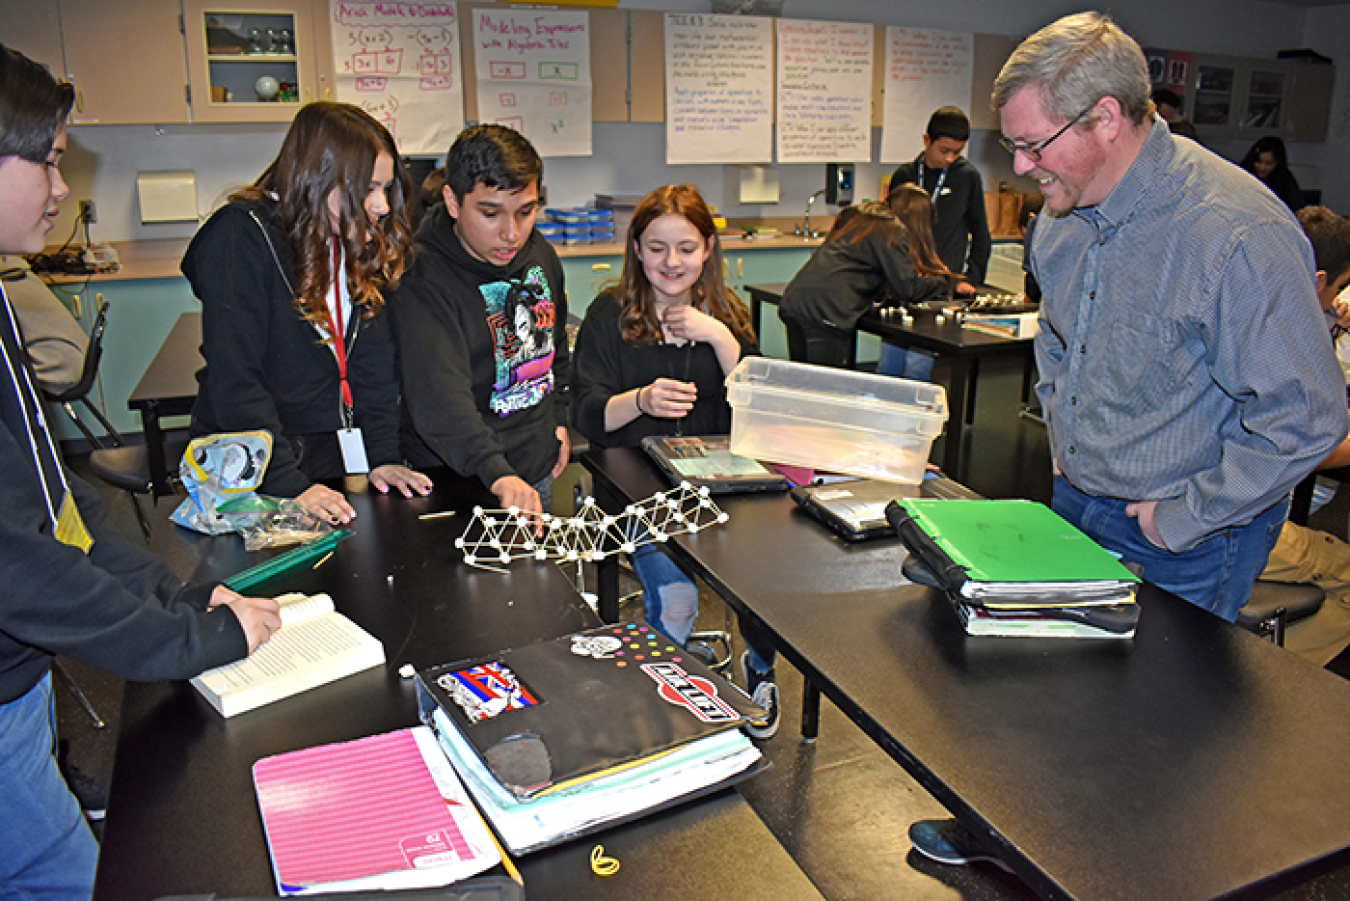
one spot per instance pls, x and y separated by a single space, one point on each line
520 317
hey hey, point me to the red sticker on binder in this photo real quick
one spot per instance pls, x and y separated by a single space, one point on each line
695 693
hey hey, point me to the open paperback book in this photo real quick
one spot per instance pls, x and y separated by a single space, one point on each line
384 812
314 646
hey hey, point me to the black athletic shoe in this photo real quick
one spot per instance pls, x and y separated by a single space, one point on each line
947 841
763 690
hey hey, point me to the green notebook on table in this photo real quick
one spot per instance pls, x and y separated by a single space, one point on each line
1011 553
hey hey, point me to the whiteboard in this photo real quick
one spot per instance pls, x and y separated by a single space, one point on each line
824 92
534 75
400 62
925 69
719 88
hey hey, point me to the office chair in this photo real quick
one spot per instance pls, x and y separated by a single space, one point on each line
111 459
1276 605
127 467
79 392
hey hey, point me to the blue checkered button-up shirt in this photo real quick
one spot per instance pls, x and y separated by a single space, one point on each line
1183 354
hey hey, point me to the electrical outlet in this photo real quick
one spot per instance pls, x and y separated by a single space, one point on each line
88 212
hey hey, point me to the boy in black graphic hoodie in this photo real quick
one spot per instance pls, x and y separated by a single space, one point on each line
479 325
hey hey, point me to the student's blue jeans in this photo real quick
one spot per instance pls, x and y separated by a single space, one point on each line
1217 574
671 599
46 848
908 364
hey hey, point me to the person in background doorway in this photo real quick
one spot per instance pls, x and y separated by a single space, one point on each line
1168 103
865 260
652 358
73 585
961 223
479 321
1269 161
292 276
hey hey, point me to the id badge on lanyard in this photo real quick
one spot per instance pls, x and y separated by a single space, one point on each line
352 445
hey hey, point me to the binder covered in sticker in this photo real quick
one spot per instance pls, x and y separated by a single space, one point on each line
563 737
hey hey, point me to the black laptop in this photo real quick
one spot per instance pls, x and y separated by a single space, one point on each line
855 510
706 461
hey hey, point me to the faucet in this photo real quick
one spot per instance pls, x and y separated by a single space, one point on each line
804 230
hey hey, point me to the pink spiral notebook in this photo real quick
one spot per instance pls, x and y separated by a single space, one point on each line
383 812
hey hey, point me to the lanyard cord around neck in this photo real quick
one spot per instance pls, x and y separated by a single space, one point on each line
937 188
32 410
335 329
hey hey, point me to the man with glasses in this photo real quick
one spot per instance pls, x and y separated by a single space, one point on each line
1184 371
1184 376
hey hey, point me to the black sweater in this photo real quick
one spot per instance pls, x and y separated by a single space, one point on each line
840 282
268 368
607 365
961 220
484 357
118 608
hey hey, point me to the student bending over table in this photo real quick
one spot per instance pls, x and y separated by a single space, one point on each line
289 346
915 210
479 324
73 584
866 254
651 359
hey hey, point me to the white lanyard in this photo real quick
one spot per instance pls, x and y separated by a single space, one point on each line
33 413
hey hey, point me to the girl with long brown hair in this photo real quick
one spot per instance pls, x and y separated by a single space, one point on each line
651 359
291 274
915 210
866 259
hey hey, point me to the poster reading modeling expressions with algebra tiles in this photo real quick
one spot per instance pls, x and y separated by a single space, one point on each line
719 89
925 69
534 75
400 63
824 92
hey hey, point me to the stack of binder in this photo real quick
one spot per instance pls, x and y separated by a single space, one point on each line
562 738
1015 567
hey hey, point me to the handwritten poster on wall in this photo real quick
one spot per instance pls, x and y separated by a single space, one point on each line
400 62
719 88
925 69
824 92
534 75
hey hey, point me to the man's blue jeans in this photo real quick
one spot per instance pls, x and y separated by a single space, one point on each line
1217 574
46 848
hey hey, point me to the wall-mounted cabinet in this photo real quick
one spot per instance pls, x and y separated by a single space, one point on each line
1238 98
125 59
254 65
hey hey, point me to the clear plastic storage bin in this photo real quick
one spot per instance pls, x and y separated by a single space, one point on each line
834 419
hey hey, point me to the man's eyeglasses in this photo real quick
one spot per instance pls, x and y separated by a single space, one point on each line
1034 151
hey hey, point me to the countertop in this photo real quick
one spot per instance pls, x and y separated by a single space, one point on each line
159 258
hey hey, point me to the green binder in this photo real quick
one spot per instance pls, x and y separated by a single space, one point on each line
1011 551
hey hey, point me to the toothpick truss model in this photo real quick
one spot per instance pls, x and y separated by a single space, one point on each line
500 536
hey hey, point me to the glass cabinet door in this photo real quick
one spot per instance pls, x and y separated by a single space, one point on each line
249 66
1265 96
1214 95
